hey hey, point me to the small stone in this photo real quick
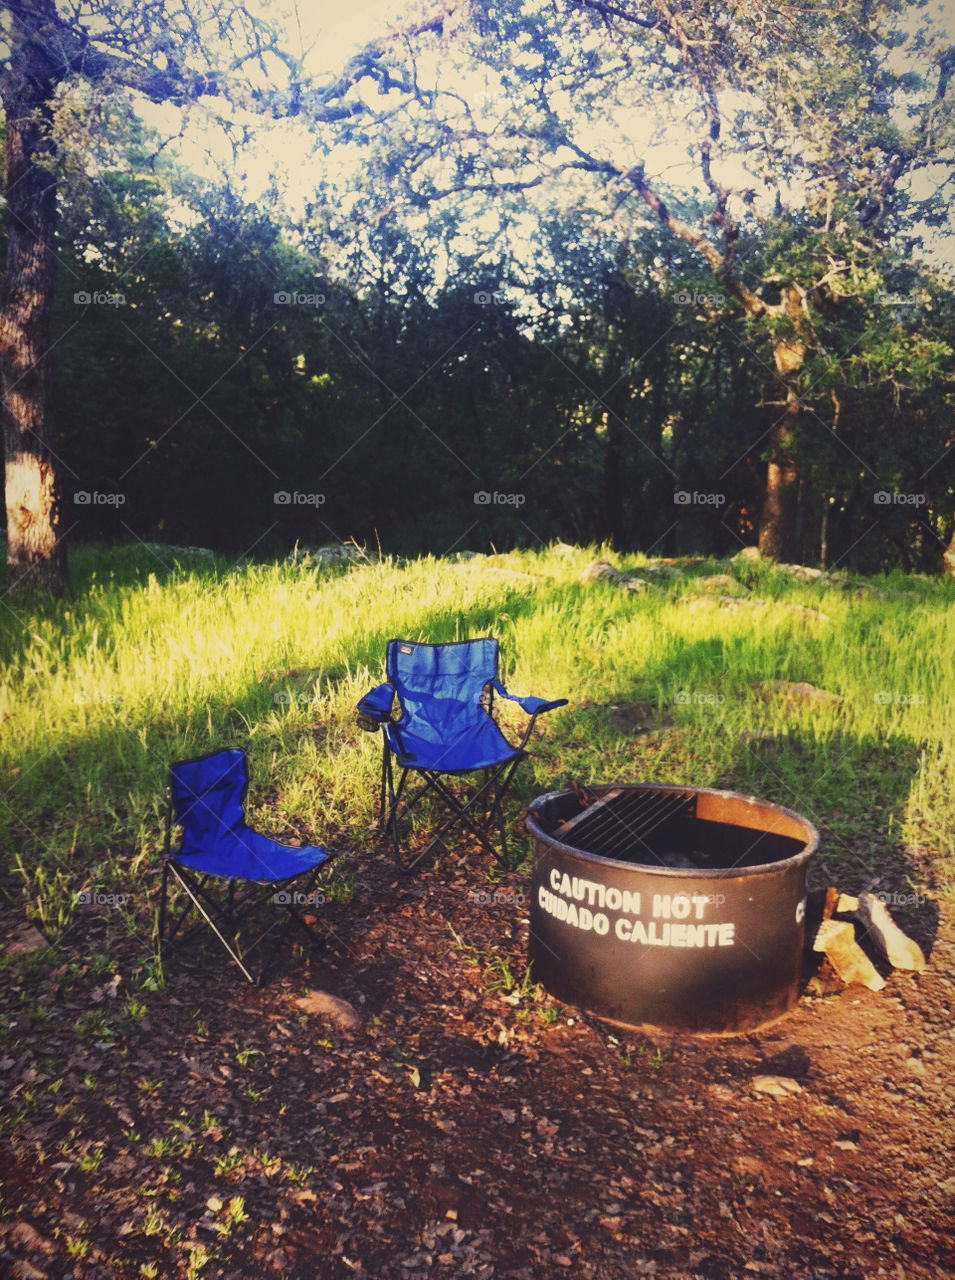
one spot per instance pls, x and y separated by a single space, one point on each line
795 692
635 717
837 939
24 940
600 571
24 1235
338 1011
765 735
718 582
901 951
777 1086
721 1093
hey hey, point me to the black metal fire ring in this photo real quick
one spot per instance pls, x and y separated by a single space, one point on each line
695 921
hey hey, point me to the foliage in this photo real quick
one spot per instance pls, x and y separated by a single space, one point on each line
149 665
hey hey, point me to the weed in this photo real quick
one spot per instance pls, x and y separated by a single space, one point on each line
235 1215
91 1160
153 1223
76 1247
228 1163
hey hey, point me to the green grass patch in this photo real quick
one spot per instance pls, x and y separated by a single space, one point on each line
158 657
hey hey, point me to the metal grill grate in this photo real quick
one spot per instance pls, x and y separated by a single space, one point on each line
620 824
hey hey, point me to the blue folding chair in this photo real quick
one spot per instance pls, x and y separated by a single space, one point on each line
445 727
226 870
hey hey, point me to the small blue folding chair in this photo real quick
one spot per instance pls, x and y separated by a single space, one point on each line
226 870
445 727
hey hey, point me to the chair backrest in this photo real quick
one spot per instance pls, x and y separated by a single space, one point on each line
439 686
207 798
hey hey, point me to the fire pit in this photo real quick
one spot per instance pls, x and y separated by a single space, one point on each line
669 907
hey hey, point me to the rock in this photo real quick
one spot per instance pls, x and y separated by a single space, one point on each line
749 554
777 1086
336 1010
718 582
732 603
807 615
326 557
657 569
721 1092
600 571
901 951
794 693
603 571
164 547
24 1235
803 572
837 939
792 1061
636 717
24 1270
24 939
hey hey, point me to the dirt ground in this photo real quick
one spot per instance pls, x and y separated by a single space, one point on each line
463 1129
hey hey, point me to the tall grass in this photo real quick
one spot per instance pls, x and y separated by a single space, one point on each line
156 659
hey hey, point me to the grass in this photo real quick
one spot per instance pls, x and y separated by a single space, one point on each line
156 659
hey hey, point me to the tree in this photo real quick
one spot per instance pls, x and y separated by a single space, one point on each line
824 112
166 51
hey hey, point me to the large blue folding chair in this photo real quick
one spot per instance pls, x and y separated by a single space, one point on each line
445 727
227 871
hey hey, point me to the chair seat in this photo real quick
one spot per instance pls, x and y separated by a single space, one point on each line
479 745
247 855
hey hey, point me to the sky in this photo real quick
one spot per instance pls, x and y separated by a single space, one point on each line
332 29
327 32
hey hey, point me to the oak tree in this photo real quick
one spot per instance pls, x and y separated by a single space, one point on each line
830 113
165 51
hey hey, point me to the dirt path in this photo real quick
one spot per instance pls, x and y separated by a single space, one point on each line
462 1130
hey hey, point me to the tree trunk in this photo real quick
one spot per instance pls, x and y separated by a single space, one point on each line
35 556
948 558
779 523
611 521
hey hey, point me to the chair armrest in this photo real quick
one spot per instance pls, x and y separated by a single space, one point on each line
374 709
533 706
